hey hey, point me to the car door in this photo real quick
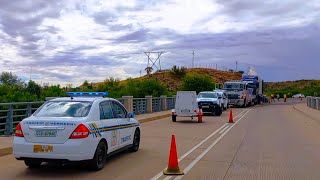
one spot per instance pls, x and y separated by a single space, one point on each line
126 127
110 125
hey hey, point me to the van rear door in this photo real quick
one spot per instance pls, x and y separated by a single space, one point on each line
186 103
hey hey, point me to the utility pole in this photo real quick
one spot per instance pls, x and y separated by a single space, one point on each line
193 59
236 66
30 73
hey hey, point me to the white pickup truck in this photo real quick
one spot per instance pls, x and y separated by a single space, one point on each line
210 102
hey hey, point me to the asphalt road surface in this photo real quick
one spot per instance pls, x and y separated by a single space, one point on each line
265 142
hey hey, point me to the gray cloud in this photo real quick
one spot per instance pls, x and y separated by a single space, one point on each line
277 53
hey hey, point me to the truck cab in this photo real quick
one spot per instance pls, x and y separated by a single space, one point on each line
237 92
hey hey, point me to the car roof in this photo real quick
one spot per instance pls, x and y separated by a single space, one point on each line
87 99
207 92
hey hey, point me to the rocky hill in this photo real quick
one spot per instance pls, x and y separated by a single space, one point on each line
172 81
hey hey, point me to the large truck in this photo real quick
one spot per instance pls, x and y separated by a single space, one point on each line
237 92
256 83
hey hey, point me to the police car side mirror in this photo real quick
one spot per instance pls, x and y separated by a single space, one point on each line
219 97
131 115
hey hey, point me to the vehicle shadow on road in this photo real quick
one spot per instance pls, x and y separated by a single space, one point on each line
194 121
69 171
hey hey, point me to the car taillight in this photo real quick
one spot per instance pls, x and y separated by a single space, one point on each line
19 132
80 132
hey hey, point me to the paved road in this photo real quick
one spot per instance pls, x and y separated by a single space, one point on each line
266 142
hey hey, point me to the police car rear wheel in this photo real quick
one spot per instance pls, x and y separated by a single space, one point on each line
99 159
32 163
136 141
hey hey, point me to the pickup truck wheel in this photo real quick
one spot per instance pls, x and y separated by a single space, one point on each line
174 118
219 111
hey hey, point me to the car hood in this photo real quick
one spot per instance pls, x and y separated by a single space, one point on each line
207 99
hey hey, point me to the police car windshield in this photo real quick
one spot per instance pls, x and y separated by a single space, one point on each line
235 86
207 95
64 109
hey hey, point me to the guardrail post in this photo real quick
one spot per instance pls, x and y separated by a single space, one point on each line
163 102
29 110
9 121
128 102
149 104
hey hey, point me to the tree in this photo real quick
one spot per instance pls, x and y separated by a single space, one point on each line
33 88
9 79
85 83
198 83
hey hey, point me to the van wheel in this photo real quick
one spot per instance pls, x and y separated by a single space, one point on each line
174 118
32 163
99 159
136 141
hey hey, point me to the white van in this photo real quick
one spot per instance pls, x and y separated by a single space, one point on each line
186 105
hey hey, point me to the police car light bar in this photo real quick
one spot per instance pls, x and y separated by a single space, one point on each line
97 94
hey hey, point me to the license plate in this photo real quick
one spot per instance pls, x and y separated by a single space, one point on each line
185 111
42 148
205 106
46 133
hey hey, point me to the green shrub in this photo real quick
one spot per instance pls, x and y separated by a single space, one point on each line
197 82
179 72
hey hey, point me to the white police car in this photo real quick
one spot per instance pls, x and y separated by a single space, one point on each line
77 128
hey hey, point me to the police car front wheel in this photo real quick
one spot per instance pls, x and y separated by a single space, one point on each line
136 141
99 159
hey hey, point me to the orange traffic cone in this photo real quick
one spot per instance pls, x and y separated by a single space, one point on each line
230 117
173 166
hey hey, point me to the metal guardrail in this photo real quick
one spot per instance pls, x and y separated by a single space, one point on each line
12 113
170 102
313 102
140 105
156 105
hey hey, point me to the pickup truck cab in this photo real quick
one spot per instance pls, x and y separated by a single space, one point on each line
210 102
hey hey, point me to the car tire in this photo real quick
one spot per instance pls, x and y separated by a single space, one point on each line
32 163
219 111
99 159
136 141
174 118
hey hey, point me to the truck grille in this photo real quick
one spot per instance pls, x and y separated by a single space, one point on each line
205 103
233 96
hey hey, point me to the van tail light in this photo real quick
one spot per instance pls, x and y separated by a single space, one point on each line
19 132
80 132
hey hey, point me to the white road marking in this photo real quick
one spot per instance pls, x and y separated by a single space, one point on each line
223 129
195 147
194 162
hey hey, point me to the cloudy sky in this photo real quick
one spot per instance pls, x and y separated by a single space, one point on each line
69 41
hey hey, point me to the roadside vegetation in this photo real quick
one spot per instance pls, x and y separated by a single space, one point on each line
13 89
306 87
